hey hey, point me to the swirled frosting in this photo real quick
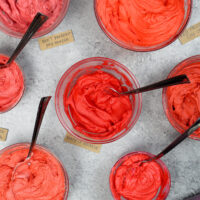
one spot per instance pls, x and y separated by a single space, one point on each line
133 181
93 111
11 85
141 22
39 178
184 100
17 15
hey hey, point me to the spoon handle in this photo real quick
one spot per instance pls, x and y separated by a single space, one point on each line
196 197
37 22
178 140
40 114
181 79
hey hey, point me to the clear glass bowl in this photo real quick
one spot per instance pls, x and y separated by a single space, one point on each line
86 66
188 7
166 181
19 146
22 92
184 64
43 32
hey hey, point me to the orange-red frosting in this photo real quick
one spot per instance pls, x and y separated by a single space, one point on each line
93 110
184 100
141 22
17 15
133 181
38 178
11 85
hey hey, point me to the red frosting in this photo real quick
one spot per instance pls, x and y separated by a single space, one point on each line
184 100
11 85
38 178
133 181
17 15
141 22
97 113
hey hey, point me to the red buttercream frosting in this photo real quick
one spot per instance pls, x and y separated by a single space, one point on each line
38 178
184 100
94 111
133 181
141 22
17 15
11 85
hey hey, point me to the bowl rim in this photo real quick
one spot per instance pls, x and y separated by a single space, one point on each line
24 85
41 33
150 48
57 107
48 151
159 161
183 64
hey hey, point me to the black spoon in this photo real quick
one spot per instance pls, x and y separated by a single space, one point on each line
177 141
37 22
40 114
181 79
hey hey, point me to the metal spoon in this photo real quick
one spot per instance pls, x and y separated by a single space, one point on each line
177 141
181 79
40 114
37 22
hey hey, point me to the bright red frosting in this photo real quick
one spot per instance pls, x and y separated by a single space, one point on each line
38 178
17 15
94 111
133 181
141 22
11 85
184 100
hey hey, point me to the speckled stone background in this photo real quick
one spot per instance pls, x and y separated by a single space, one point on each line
89 172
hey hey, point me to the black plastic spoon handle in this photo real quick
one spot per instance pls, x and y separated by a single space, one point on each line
181 79
196 197
178 140
37 22
40 114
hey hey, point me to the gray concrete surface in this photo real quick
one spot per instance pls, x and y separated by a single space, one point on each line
89 172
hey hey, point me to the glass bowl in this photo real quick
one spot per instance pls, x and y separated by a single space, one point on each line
88 66
188 7
12 104
19 146
184 65
162 192
41 32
